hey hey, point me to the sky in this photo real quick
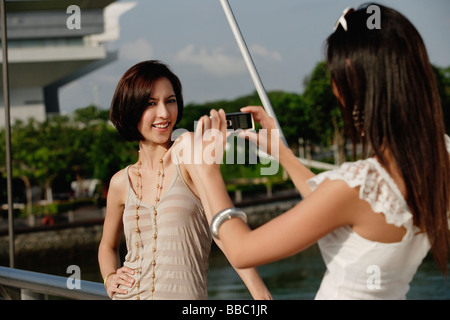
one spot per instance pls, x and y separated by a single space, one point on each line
285 38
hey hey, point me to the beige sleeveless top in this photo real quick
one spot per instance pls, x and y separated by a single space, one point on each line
183 244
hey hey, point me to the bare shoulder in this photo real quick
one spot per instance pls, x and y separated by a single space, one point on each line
337 202
338 190
115 203
183 157
343 206
118 183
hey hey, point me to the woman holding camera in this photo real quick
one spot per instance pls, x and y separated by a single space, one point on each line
374 219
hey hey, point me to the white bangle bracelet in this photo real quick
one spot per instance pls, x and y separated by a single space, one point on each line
223 216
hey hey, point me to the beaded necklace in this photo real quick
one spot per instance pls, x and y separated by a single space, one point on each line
139 244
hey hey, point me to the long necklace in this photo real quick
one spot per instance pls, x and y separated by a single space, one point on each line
160 176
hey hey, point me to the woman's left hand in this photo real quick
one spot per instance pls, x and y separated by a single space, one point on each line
211 136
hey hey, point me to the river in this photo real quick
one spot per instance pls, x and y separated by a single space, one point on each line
294 278
299 277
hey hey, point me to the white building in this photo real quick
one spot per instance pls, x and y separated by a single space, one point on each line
51 43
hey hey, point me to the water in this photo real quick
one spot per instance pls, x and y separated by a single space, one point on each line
294 278
299 277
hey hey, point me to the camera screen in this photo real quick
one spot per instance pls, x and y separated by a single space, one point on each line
239 120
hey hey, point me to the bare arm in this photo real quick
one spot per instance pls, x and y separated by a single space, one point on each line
298 173
285 235
108 252
249 276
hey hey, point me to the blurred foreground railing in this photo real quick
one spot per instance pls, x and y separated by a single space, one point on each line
37 286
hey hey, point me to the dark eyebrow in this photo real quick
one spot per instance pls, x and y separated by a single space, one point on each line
171 96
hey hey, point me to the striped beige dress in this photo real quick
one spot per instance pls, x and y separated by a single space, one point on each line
183 244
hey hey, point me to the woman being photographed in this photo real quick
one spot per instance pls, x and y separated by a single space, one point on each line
155 201
374 219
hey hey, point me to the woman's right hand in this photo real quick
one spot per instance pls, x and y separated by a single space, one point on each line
121 277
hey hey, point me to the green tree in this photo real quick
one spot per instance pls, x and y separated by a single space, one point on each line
102 152
191 113
83 146
40 152
290 109
23 138
108 152
91 114
324 112
292 115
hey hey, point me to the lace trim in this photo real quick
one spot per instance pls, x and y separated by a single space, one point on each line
375 186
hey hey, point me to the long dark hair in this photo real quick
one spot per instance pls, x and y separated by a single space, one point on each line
133 93
391 100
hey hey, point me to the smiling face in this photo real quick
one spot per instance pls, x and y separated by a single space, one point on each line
159 118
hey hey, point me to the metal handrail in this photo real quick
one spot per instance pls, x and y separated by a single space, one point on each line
51 285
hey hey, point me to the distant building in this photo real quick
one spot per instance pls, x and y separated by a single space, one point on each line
51 43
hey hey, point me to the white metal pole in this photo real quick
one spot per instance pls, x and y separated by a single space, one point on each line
250 65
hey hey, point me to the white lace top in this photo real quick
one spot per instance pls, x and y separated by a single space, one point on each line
358 268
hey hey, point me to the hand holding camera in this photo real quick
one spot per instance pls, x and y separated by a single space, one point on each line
268 137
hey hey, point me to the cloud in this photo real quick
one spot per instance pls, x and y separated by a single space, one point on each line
215 62
137 50
257 49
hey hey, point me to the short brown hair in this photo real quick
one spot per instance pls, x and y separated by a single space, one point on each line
133 93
